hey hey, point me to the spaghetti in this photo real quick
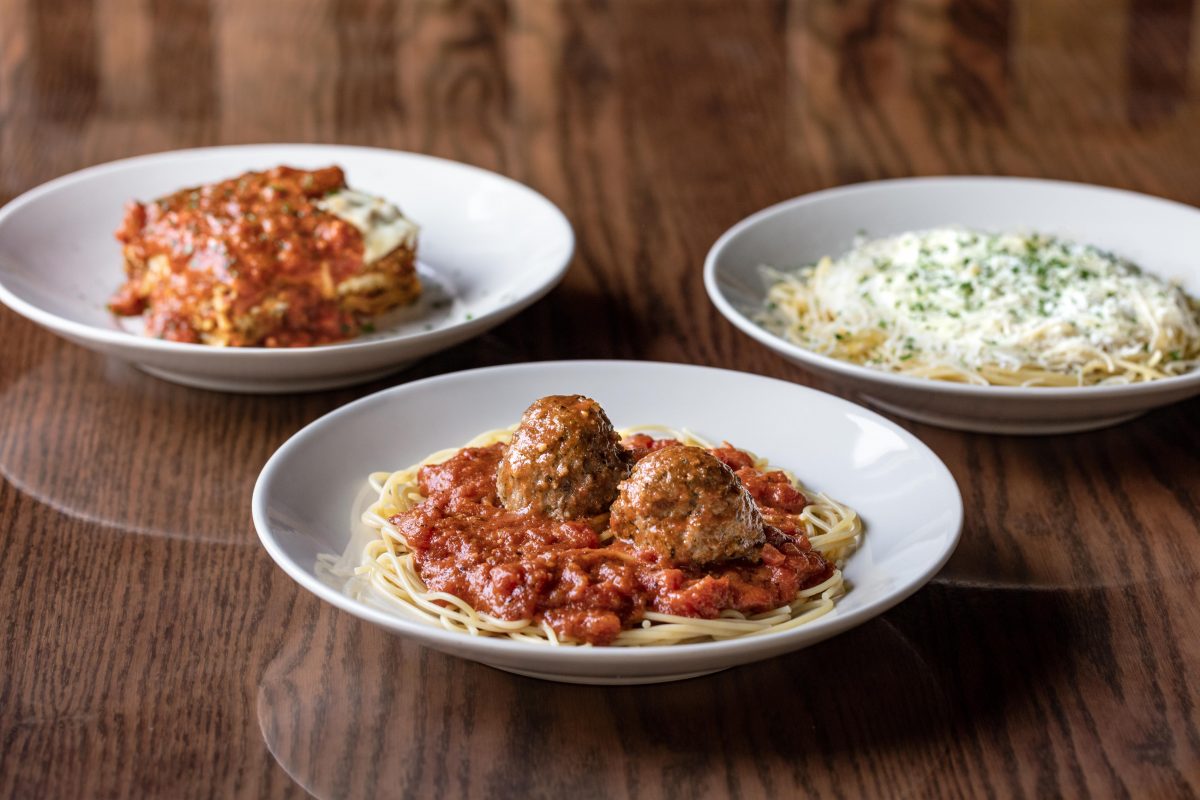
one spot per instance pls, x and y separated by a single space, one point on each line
389 568
989 309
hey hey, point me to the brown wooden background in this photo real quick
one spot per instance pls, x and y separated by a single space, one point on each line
150 648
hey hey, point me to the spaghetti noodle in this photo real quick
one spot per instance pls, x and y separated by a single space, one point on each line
389 568
990 309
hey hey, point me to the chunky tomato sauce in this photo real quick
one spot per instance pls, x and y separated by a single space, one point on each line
527 566
212 263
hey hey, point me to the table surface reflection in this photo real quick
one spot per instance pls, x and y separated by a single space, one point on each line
152 648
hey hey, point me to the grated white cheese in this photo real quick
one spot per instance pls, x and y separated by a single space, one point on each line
967 300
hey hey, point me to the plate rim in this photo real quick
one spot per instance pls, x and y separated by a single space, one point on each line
850 370
648 656
133 342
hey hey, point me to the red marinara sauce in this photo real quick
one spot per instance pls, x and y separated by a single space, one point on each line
522 565
235 248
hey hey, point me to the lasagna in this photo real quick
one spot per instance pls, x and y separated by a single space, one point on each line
281 258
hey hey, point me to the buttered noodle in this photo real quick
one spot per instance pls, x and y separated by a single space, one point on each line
1000 309
388 567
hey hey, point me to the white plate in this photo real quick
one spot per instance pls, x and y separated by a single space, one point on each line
489 247
311 493
1161 236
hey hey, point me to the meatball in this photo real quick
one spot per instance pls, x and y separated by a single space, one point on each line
685 505
565 460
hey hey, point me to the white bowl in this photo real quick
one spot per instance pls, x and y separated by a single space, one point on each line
1161 236
489 247
312 492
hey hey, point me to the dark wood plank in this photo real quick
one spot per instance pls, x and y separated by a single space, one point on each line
152 649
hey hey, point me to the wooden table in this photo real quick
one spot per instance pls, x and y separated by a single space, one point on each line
150 646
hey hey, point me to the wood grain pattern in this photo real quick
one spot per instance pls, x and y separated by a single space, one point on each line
151 649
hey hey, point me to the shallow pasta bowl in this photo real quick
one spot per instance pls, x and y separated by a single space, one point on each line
311 494
1161 236
488 248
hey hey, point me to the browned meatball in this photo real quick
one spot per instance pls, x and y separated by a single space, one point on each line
565 460
685 505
